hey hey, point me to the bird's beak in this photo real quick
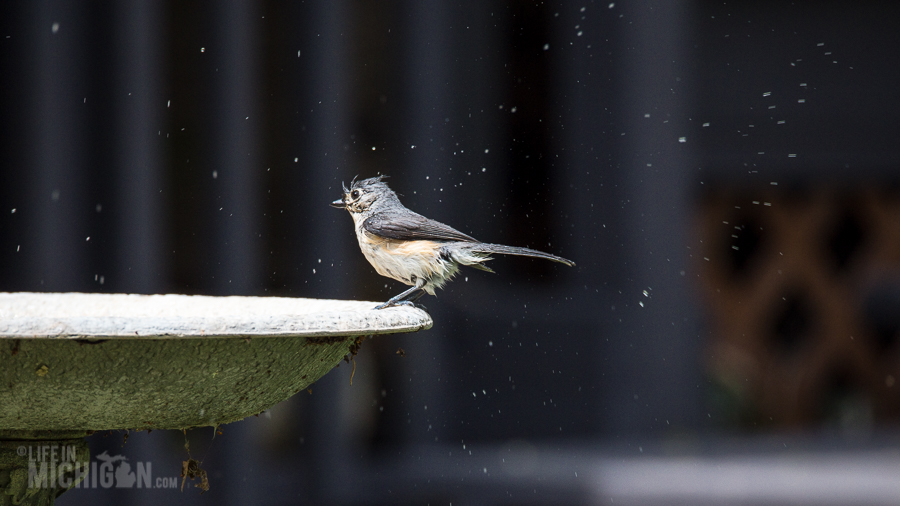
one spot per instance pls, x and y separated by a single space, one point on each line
339 203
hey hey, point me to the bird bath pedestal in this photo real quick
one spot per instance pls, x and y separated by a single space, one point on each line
75 363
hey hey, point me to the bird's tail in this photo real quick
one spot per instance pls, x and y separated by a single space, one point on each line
524 252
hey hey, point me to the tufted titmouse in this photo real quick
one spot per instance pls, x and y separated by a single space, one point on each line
409 247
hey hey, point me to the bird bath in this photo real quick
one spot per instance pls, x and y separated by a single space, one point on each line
75 363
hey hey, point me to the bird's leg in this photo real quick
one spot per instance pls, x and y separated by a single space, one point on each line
411 300
405 298
415 296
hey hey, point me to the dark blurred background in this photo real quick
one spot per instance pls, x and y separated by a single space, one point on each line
724 175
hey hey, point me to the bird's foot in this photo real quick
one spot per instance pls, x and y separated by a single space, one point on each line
399 303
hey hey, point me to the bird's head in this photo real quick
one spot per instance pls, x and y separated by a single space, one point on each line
363 195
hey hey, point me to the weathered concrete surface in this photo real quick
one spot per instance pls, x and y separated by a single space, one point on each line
86 315
73 362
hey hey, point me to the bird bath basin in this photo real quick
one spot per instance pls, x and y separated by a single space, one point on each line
74 363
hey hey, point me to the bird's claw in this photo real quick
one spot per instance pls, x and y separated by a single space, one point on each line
400 303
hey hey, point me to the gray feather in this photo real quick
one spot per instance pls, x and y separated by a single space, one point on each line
482 267
524 252
406 225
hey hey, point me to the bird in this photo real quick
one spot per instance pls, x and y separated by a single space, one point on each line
410 248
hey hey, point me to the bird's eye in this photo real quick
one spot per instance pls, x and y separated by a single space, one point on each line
354 194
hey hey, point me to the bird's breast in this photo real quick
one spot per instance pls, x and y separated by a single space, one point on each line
404 261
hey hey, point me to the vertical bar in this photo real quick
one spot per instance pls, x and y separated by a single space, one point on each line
663 368
139 188
16 140
625 153
57 210
237 264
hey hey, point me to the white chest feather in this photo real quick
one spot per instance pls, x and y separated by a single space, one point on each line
406 261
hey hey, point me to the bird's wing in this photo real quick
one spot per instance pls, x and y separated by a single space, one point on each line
409 226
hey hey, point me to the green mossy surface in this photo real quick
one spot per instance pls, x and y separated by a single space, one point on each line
80 385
